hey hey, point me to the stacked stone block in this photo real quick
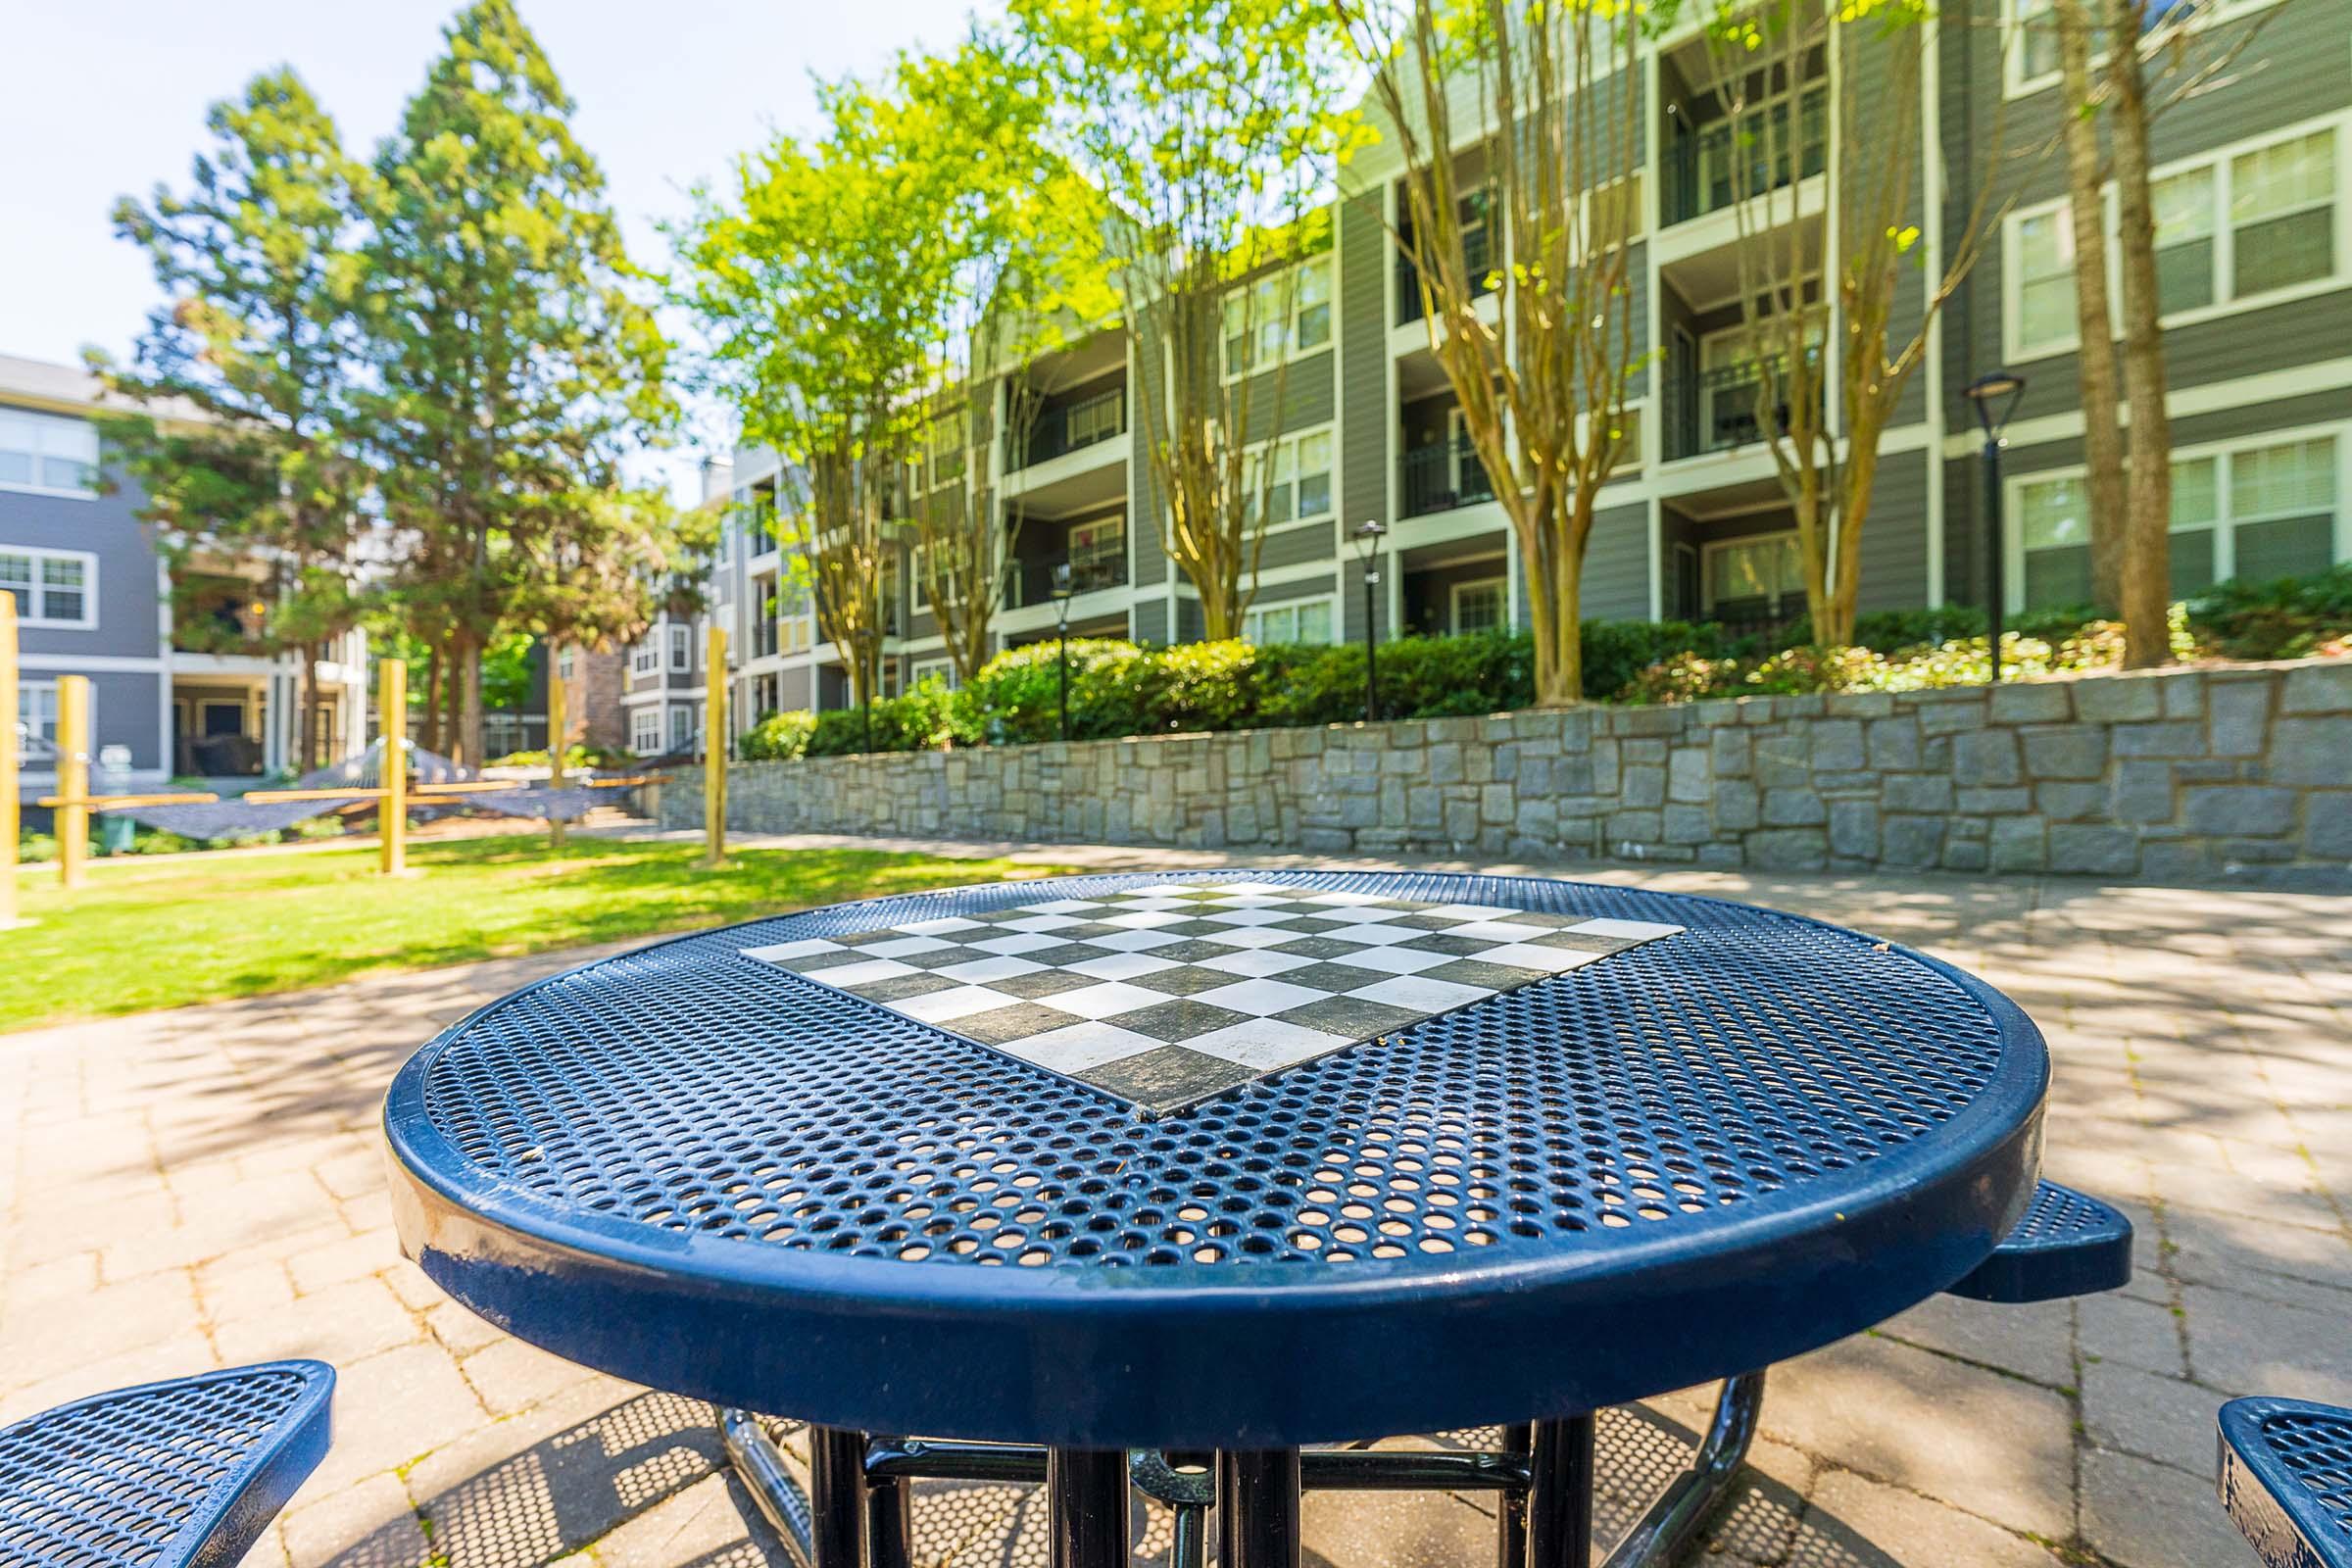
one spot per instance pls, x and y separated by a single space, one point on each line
2239 774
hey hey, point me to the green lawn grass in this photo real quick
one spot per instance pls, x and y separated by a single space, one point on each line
164 934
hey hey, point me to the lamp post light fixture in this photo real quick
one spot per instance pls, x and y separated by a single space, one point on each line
1368 534
1063 592
1995 397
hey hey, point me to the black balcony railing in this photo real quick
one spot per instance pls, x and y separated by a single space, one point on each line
1702 172
1031 582
1719 410
1443 477
1072 427
1478 256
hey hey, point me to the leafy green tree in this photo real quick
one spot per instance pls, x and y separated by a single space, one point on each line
1209 133
243 378
513 369
815 280
1017 270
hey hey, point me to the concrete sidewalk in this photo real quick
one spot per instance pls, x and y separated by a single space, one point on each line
199 1188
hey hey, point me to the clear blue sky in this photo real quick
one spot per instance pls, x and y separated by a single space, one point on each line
106 99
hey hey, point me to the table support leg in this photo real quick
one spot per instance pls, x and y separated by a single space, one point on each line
1559 1494
1085 1502
889 1524
1257 1509
1511 1535
1675 1516
837 1489
760 1465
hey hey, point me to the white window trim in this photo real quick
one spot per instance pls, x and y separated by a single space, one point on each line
1453 603
645 731
2015 83
1256 452
33 486
681 648
1329 260
2224 524
88 619
2219 159
1329 602
922 669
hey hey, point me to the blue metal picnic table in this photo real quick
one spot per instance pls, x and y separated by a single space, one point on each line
901 1170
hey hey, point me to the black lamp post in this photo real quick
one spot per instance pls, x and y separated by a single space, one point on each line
1995 397
1062 590
1367 544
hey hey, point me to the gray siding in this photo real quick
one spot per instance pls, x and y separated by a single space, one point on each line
1295 546
1616 585
1297 397
1895 537
1366 260
1150 618
108 527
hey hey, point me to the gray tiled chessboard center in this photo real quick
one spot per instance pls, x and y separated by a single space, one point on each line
1168 993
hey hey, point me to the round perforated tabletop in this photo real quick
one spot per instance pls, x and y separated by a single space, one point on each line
1597 1142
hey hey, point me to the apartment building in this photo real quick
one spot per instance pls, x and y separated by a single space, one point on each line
2254 192
168 682
667 682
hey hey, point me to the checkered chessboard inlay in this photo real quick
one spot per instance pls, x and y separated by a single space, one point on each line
1167 994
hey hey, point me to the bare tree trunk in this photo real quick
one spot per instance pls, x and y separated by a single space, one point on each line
2094 317
429 736
2146 577
312 707
465 746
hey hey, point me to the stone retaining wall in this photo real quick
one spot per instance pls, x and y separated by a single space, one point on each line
2240 774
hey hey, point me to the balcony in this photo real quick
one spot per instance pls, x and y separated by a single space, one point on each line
1702 168
1477 257
1443 477
1071 427
1716 411
1031 582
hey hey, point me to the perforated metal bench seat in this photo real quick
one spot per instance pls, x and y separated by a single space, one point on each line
2069 1244
182 1474
2285 1478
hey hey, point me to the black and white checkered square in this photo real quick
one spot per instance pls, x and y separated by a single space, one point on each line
1169 993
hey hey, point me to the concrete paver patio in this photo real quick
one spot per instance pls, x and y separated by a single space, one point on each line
205 1187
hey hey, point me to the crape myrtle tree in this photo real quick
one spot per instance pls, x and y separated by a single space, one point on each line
511 369
2110 96
813 280
1015 271
1209 135
1837 290
1520 119
242 379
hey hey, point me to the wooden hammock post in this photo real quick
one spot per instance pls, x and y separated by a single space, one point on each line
392 811
72 779
714 750
556 727
8 761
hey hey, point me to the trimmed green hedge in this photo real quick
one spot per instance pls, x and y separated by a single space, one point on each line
1121 688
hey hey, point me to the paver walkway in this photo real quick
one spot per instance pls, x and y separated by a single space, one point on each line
203 1187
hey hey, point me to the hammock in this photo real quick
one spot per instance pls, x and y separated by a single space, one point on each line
231 820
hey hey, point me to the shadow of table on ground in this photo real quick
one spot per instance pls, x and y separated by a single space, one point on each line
570 1490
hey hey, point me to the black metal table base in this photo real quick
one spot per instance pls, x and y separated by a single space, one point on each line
856 1511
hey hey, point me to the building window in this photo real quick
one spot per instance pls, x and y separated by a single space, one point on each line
47 453
645 658
2282 215
1307 620
51 587
1481 606
565 665
793 634
681 728
918 578
681 648
37 721
2233 228
2033 53
1297 486
645 731
943 448
2045 279
2254 511
1751 577
1098 554
1287 313
942 670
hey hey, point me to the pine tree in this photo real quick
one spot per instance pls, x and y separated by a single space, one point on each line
513 368
243 373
